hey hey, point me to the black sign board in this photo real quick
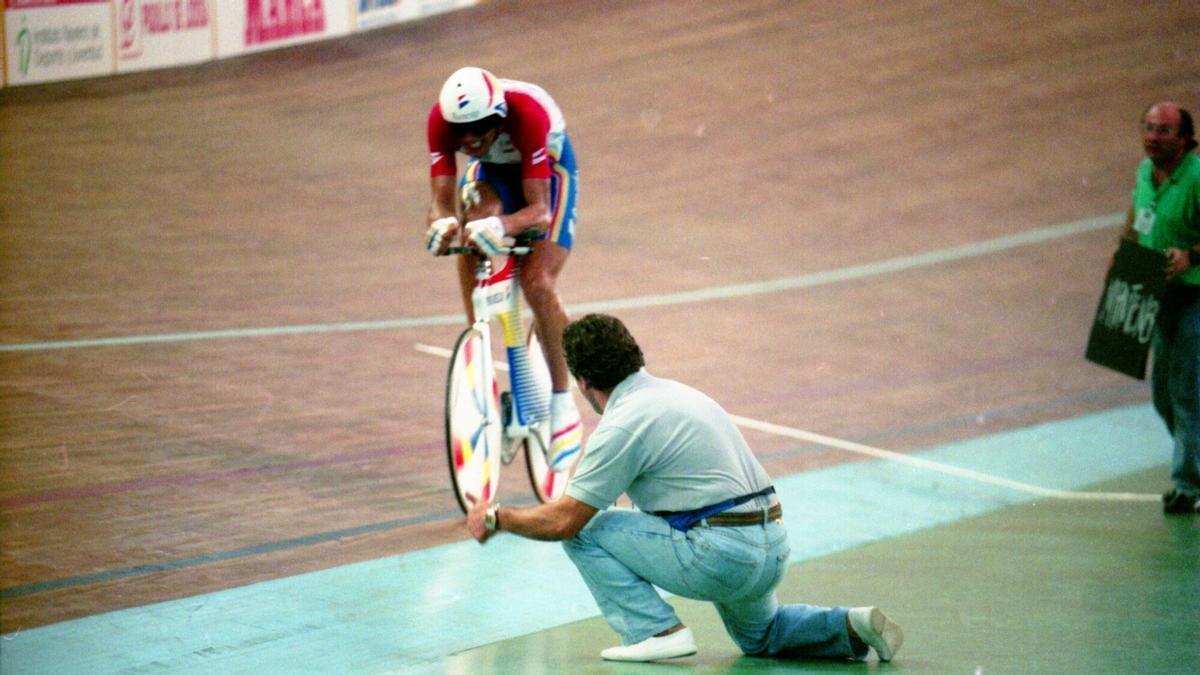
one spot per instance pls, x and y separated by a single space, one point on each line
1132 297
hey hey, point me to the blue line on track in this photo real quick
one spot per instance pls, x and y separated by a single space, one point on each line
414 610
219 556
334 535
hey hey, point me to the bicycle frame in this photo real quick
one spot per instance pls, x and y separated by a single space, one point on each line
499 295
521 416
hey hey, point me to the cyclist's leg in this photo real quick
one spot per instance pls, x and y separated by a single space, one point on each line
539 278
539 274
539 281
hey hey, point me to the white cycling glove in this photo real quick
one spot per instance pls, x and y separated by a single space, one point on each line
487 235
435 236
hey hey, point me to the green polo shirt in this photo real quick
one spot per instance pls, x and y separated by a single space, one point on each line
1168 216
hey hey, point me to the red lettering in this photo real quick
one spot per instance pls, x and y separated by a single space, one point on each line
282 19
197 13
157 17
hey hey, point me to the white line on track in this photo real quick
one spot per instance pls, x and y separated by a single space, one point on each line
434 351
900 264
899 457
902 458
446 353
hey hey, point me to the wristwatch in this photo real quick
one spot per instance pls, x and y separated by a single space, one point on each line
491 518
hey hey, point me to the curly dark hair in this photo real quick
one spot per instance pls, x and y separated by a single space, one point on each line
601 350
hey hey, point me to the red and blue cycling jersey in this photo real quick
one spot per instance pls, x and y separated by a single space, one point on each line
531 143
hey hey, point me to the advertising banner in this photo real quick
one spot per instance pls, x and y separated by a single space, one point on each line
254 25
47 40
375 13
52 40
161 33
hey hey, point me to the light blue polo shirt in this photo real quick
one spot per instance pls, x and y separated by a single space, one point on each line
669 447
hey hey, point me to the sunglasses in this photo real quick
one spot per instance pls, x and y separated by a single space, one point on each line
476 128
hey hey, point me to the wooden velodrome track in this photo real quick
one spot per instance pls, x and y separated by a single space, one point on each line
147 455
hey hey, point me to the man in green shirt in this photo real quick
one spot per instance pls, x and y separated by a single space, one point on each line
1165 216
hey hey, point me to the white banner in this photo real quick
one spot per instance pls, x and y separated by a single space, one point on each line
57 40
160 33
3 59
51 40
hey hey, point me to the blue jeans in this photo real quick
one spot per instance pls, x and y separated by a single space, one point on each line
1175 379
624 554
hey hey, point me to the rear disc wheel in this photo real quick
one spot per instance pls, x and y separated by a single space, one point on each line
547 485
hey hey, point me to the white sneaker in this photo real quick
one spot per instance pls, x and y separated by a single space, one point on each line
566 432
877 630
679 643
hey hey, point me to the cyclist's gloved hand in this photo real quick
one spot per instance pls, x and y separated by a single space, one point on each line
438 234
487 235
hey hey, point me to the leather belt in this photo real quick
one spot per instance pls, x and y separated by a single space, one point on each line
745 518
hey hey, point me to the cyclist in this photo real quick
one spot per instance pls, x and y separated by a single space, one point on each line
520 175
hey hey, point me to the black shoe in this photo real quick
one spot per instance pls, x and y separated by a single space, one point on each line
1179 502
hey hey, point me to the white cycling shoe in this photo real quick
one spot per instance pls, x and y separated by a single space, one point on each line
566 432
679 643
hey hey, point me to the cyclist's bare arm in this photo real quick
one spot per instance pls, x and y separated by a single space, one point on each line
443 197
536 214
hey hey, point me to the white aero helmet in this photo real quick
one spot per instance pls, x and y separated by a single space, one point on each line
471 94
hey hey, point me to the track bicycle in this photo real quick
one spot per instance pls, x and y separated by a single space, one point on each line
486 427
